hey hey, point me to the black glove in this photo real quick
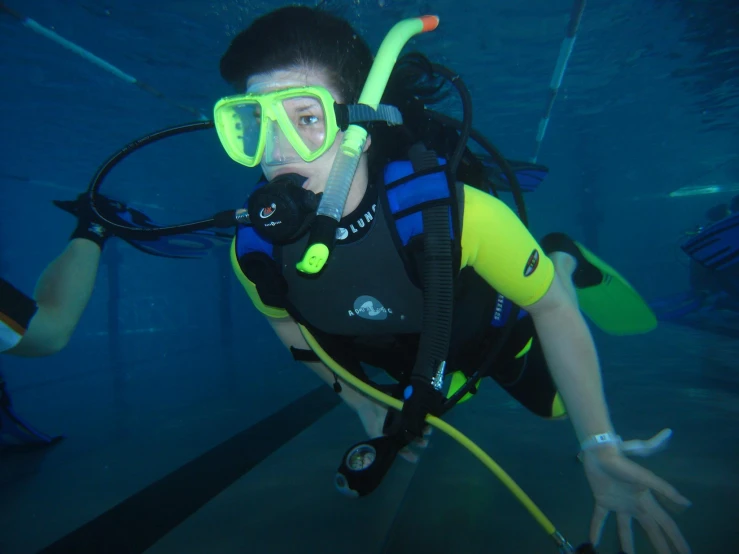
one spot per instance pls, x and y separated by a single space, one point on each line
89 225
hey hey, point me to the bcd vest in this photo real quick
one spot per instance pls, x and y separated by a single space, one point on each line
367 301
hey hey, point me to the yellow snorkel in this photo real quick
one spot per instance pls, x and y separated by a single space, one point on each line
331 207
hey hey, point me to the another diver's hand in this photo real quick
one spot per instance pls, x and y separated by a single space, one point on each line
622 486
372 416
89 225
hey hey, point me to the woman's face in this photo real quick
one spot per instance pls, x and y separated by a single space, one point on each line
317 171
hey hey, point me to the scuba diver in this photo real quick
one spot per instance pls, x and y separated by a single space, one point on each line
713 271
44 324
374 238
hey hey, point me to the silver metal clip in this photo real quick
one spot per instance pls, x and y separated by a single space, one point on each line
438 381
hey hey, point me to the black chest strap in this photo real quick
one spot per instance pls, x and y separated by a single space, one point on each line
423 395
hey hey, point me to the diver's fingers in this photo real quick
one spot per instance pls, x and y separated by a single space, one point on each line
669 527
408 455
625 533
69 206
648 447
656 537
423 442
600 516
635 474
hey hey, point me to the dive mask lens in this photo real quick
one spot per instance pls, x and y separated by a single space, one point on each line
238 122
247 121
277 148
298 131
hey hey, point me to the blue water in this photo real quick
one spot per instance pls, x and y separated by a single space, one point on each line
648 105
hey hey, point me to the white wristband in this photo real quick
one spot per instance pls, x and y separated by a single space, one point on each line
595 441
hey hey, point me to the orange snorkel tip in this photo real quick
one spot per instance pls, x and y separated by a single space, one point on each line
430 22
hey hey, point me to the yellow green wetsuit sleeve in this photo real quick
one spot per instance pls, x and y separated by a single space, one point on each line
497 245
251 288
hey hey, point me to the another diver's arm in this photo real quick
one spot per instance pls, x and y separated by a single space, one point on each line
289 333
62 293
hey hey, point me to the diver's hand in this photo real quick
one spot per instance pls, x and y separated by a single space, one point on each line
624 487
372 416
81 208
108 211
92 226
89 225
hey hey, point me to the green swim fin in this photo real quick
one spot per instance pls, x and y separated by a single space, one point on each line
604 295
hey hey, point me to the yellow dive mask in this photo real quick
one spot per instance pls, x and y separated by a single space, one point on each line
288 125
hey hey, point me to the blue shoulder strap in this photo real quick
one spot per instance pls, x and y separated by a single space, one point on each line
408 193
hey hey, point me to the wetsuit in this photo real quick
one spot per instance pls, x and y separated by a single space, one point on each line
16 311
365 306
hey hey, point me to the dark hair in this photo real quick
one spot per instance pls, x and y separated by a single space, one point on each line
300 36
296 36
413 85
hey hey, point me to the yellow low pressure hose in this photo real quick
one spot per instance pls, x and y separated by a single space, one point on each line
444 427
